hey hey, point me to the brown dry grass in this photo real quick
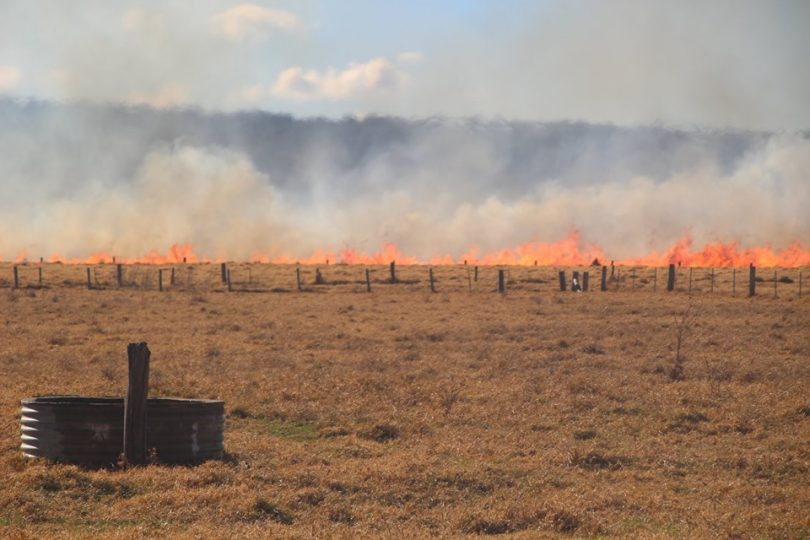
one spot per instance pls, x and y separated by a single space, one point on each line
408 414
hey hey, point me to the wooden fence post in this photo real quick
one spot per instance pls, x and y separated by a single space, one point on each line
603 285
752 280
228 277
298 277
432 282
476 275
223 270
612 270
733 282
160 279
368 281
135 404
39 270
119 274
16 277
575 283
89 281
171 278
585 281
501 282
671 278
393 269
562 280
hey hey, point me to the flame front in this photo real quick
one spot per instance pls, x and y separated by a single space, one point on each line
570 251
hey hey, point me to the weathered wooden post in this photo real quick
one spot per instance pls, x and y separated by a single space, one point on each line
160 279
432 282
501 281
393 269
733 282
135 404
318 277
585 277
298 277
89 281
228 277
671 278
612 270
171 278
576 285
39 271
16 277
119 274
752 280
562 280
476 275
223 270
368 281
603 285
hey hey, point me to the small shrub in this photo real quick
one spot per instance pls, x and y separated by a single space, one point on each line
382 433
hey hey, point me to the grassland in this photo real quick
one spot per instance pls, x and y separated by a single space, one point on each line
403 413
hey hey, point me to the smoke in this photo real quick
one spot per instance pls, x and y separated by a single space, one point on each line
83 179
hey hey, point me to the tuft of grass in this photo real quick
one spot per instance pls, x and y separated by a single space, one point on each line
382 433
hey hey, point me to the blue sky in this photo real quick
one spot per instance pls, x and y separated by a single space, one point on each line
720 63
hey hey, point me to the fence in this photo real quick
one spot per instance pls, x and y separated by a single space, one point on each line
271 278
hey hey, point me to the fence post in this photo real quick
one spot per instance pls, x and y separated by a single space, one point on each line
501 282
432 283
119 274
171 278
393 269
39 271
368 281
223 270
733 282
160 279
228 277
476 275
562 280
16 277
575 283
603 286
135 404
752 280
298 277
585 281
671 278
89 281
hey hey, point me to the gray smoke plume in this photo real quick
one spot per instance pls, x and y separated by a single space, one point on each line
79 179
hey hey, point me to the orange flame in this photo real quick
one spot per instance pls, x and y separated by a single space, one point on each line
570 251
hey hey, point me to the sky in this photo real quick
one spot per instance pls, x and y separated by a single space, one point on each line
718 63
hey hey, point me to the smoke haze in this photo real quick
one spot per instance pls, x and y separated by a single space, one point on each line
81 179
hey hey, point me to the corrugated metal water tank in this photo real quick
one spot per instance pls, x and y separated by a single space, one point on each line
90 430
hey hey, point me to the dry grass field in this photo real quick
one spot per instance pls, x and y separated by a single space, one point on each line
402 413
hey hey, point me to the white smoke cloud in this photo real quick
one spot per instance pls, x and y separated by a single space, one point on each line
9 78
249 21
297 83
